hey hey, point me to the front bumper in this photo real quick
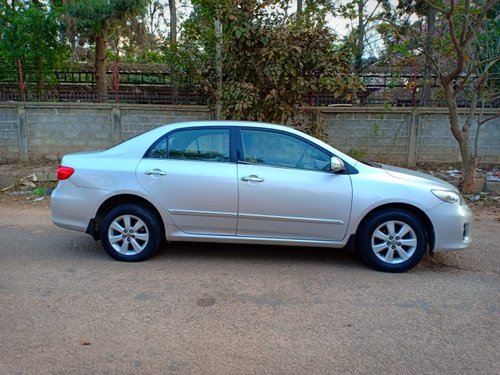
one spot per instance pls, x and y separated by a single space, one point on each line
453 226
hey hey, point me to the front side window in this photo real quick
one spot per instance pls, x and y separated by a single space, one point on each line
282 150
193 144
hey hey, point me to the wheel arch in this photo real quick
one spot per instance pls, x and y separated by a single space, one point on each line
117 200
424 219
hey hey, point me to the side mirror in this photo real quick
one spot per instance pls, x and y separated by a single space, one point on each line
336 165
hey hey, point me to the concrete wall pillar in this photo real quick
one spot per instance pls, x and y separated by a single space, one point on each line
116 120
23 133
412 139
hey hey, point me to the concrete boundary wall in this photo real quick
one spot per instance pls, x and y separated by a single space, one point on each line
407 136
402 136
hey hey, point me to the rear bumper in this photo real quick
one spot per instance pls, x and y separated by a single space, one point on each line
74 207
453 226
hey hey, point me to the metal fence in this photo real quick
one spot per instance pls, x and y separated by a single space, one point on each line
400 90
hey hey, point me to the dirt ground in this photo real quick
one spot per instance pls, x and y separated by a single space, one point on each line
67 308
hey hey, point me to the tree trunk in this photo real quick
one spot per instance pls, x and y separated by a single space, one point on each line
462 137
174 85
100 67
358 62
218 68
299 6
469 177
426 86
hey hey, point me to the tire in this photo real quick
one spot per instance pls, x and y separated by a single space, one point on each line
130 233
392 241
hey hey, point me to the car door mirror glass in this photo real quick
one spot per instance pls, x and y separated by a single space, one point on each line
336 165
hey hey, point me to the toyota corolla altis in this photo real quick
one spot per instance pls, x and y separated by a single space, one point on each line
254 183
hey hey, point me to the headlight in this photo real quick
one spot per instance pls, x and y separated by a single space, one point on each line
449 196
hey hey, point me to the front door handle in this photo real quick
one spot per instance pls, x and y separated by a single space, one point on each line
252 178
155 172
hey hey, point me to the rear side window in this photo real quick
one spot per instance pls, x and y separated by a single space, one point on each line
193 144
159 151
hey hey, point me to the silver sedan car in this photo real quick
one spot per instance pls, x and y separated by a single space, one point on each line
254 183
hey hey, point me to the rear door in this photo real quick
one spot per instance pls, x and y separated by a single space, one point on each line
191 172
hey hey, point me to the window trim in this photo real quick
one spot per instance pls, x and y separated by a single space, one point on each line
241 153
232 148
349 169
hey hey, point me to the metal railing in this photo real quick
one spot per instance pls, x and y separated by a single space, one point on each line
401 90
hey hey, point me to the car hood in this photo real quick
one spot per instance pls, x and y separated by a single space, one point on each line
415 176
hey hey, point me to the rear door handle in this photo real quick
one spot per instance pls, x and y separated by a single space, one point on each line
252 178
155 172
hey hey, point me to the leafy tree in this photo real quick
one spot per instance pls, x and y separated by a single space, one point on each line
271 63
464 71
141 39
367 16
94 20
173 44
465 51
29 31
427 15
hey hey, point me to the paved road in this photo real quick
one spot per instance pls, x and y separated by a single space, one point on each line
66 308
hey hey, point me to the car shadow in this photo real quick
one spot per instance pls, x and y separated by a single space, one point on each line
75 246
256 253
78 247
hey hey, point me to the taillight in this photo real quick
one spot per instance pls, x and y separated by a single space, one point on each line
64 173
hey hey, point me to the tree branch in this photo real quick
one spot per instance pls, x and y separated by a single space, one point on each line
436 7
489 118
368 19
470 114
466 14
479 20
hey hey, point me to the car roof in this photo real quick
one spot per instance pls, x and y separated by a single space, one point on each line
151 136
211 123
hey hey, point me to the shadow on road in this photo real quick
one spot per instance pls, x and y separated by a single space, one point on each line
83 247
256 253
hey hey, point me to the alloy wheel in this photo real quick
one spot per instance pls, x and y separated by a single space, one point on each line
128 235
394 242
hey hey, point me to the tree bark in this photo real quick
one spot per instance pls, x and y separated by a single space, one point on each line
426 86
462 137
174 85
469 178
218 68
360 47
469 24
100 67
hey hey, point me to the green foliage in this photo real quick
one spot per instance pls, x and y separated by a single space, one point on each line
272 63
94 19
463 50
488 48
356 153
368 20
95 16
29 31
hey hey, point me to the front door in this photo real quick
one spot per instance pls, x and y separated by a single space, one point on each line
287 191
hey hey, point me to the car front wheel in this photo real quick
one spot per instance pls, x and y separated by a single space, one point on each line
392 241
130 233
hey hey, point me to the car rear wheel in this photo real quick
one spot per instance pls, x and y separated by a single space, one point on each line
392 241
130 233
